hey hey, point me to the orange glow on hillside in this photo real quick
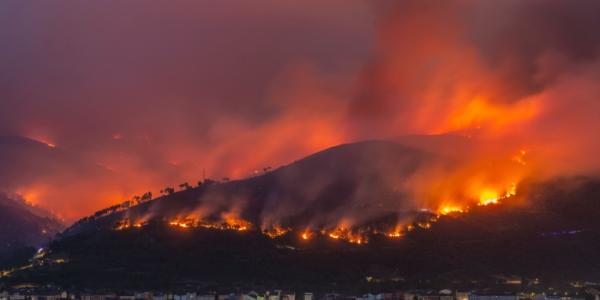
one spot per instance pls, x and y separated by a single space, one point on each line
276 231
450 209
491 196
488 197
396 233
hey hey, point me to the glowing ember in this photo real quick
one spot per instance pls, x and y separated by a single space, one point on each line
424 225
179 224
395 234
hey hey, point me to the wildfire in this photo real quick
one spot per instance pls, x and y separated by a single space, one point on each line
126 223
306 234
450 209
276 231
490 196
396 233
181 224
228 223
342 233
233 222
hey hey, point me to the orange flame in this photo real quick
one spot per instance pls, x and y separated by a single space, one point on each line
306 234
450 209
276 231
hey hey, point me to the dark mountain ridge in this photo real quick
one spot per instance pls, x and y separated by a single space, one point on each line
554 236
359 180
22 225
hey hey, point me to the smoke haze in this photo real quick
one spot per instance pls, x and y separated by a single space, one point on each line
135 96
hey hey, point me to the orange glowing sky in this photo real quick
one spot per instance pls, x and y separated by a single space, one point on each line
159 94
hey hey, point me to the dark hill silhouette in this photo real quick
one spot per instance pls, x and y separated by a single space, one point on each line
22 225
359 180
554 237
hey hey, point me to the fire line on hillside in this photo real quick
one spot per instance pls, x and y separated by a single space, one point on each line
354 235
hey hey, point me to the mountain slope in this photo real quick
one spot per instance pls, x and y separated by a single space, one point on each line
359 181
22 225
555 237
487 242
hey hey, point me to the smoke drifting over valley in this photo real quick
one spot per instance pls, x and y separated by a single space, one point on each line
119 98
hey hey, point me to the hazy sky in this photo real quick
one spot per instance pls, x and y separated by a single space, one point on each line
153 93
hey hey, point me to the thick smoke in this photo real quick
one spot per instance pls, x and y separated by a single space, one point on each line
156 94
160 94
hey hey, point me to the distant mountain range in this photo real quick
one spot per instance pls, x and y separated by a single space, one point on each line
158 244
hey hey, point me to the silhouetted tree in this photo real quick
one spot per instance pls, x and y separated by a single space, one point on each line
146 197
185 186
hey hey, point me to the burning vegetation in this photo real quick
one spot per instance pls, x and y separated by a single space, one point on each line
357 193
358 235
241 205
